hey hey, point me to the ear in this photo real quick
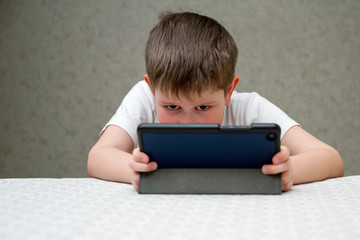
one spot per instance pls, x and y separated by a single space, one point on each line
230 90
146 77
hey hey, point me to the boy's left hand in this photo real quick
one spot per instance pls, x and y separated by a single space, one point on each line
281 164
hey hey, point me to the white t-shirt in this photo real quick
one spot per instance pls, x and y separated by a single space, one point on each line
244 109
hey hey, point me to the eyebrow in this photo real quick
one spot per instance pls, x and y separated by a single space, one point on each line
172 103
166 103
207 103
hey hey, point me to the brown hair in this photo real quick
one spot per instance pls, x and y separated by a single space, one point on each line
188 53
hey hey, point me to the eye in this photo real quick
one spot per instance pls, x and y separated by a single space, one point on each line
202 108
173 107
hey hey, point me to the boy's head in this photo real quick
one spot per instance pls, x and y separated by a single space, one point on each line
187 53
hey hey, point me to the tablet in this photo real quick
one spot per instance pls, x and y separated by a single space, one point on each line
209 145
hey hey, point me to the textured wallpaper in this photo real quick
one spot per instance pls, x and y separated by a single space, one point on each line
66 65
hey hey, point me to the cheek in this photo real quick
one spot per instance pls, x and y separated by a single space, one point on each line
213 119
164 117
216 117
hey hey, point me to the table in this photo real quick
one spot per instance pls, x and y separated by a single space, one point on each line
88 208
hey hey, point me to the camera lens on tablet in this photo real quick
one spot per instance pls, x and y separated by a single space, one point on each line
271 136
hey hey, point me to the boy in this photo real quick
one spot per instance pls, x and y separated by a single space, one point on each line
190 64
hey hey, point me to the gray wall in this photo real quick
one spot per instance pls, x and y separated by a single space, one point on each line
66 65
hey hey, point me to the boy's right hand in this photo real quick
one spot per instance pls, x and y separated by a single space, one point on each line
140 163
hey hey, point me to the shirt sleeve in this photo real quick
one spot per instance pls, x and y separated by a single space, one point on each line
137 107
268 112
248 108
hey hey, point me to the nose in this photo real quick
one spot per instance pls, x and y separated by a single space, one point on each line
187 118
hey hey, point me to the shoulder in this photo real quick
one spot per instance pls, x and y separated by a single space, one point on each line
246 98
137 107
247 108
139 93
241 108
139 97
141 87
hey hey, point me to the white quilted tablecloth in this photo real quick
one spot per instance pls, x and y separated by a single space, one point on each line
95 209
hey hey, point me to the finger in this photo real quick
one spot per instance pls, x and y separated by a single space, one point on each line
139 156
286 187
135 179
142 167
275 169
282 156
286 181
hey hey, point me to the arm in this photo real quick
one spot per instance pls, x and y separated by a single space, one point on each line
111 158
312 159
304 158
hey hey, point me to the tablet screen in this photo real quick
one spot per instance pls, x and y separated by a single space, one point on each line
244 148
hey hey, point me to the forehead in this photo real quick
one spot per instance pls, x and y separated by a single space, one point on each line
206 95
